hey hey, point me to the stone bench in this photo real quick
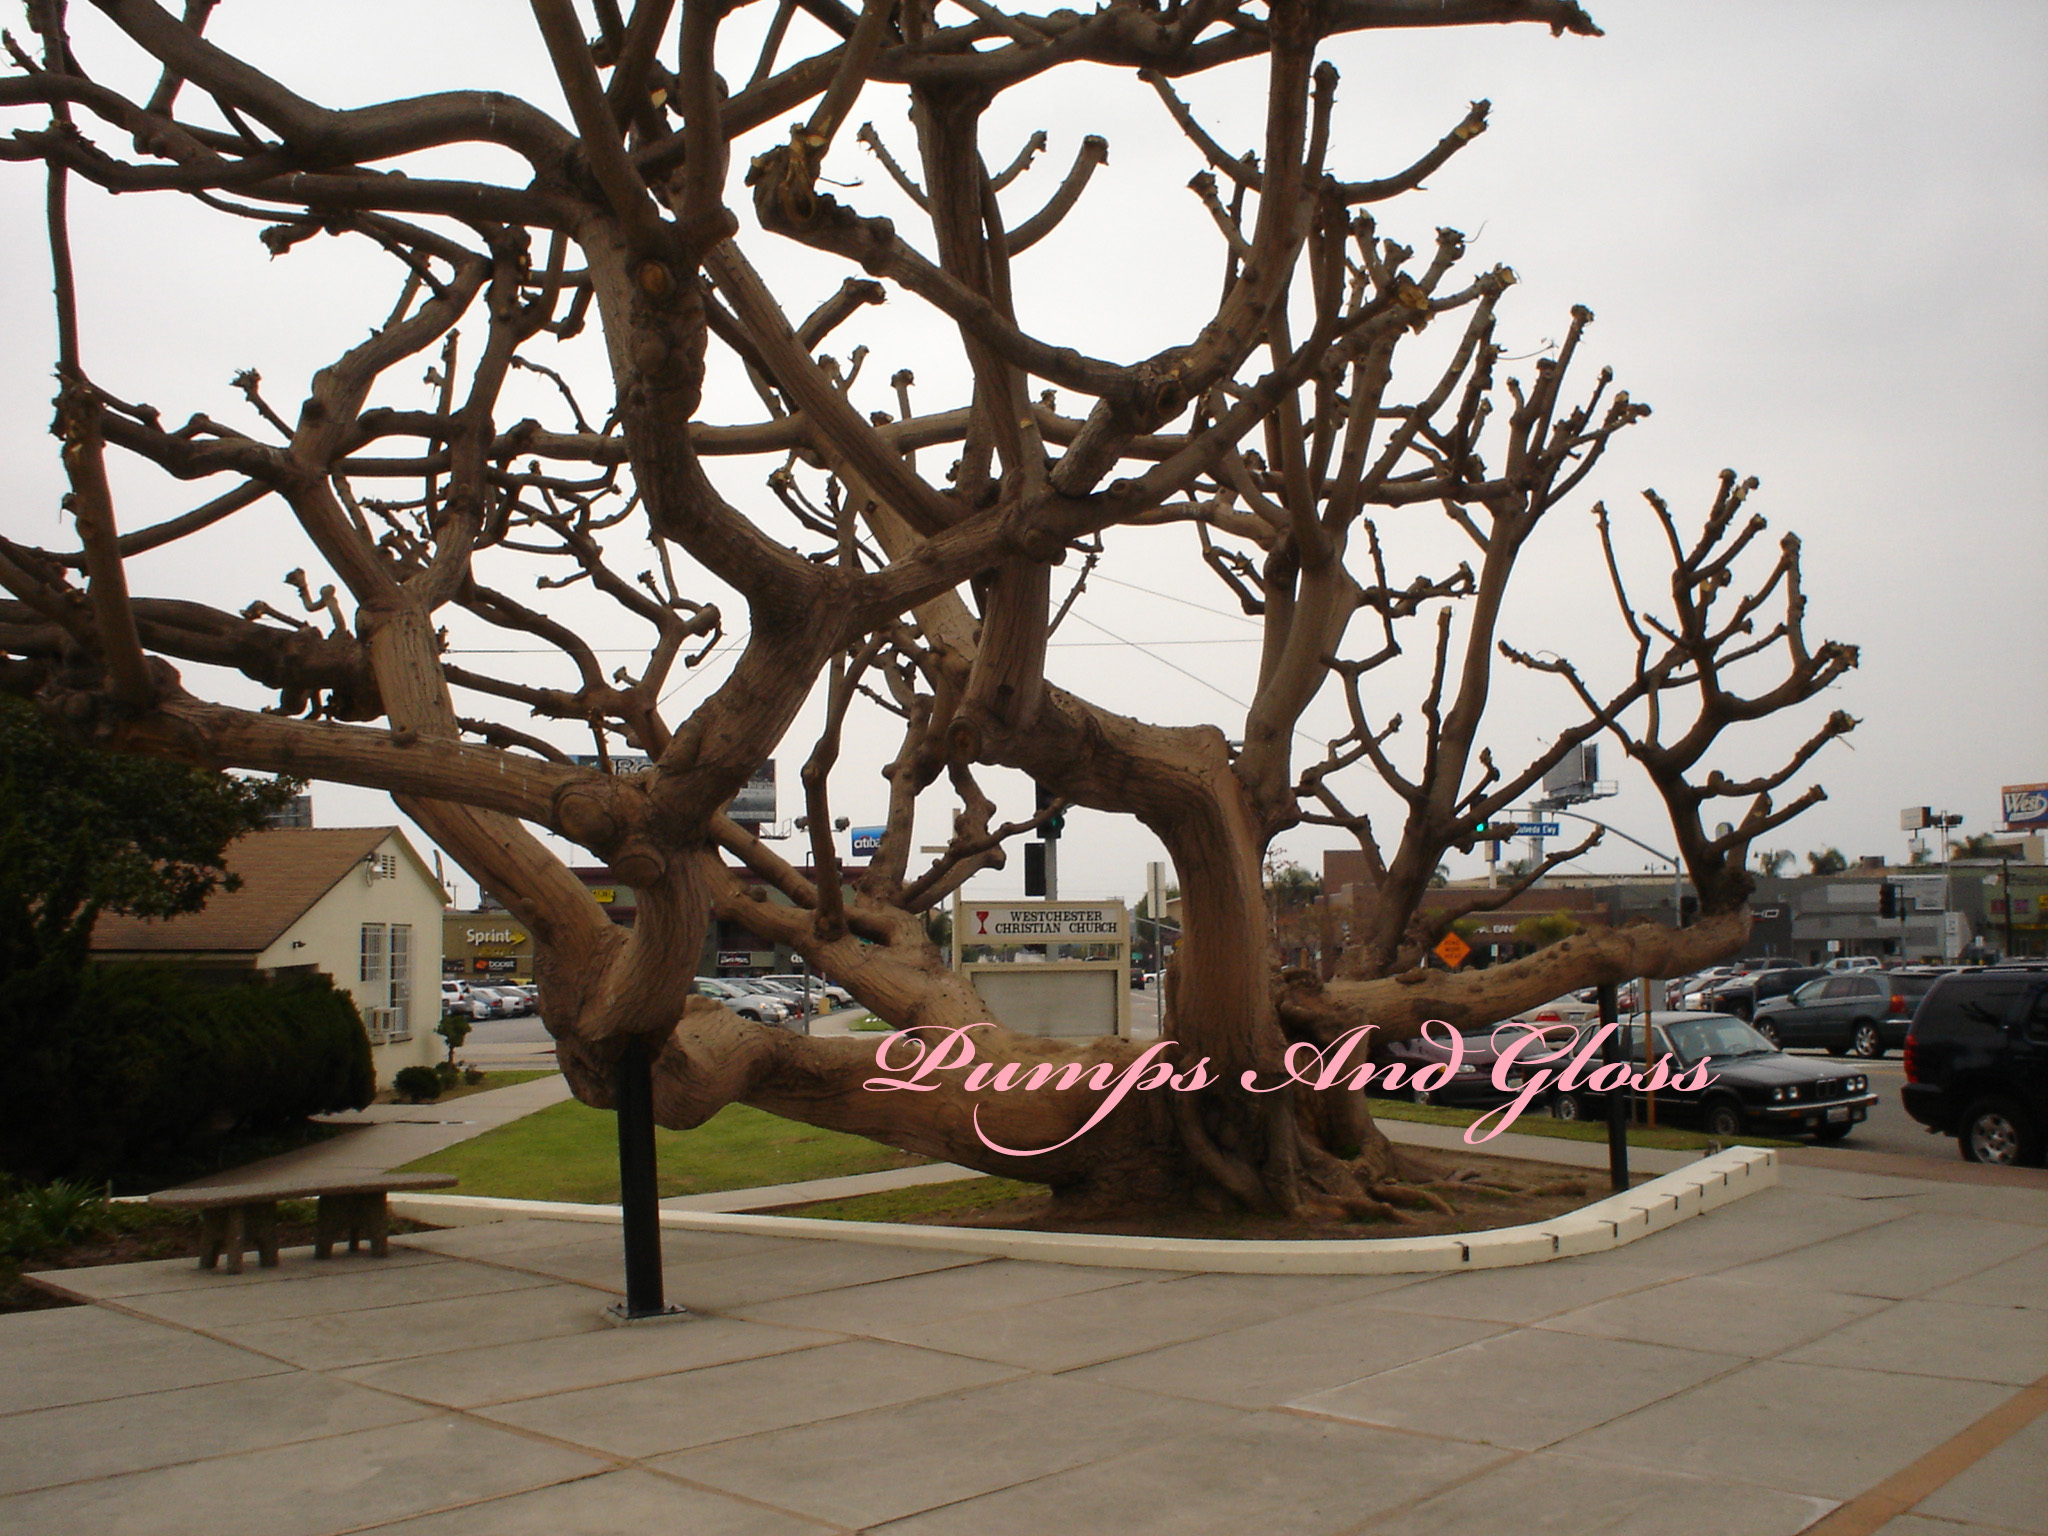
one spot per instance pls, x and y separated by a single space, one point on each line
236 1217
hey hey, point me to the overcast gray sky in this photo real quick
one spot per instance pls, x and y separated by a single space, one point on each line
1813 235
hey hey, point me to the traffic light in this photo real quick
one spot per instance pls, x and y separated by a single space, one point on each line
1053 825
1887 900
1494 831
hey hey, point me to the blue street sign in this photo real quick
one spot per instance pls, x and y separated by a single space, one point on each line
1538 829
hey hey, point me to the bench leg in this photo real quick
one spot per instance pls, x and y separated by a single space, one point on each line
233 1230
213 1238
263 1232
357 1218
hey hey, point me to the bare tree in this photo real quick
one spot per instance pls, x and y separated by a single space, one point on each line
1284 434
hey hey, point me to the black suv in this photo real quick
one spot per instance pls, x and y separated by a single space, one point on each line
1977 1062
1861 1013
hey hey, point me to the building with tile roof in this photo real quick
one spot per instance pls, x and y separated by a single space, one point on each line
357 903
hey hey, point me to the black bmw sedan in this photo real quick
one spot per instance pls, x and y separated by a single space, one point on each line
1747 1085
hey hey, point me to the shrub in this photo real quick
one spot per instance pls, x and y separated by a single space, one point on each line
417 1085
454 1028
146 1062
33 1216
472 1075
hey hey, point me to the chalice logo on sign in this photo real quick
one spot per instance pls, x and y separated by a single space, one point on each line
981 918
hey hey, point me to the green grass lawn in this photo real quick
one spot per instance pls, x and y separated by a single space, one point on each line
1539 1124
570 1151
956 1197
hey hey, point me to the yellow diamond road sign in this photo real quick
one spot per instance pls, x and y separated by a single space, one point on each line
1452 950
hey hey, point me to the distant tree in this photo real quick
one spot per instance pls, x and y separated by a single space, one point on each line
84 831
1980 845
1829 861
1771 862
1545 928
1289 885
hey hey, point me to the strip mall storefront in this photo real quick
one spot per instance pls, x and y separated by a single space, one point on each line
485 946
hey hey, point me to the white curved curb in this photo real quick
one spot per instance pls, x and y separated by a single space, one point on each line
1609 1223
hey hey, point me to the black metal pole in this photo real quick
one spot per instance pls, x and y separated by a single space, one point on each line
639 1198
1615 1050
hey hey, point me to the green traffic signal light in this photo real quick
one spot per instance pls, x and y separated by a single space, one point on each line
1054 824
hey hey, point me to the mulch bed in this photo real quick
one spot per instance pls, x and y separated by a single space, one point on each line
1481 1192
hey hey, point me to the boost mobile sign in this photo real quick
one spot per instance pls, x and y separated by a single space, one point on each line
1034 923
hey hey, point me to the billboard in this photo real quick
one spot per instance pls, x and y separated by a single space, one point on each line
2026 806
1575 774
868 840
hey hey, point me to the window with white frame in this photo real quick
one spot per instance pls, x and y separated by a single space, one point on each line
400 966
385 981
375 973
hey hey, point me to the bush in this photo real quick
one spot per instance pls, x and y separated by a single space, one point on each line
146 1062
454 1028
34 1217
472 1075
417 1085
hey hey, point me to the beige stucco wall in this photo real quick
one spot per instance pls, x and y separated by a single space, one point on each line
329 937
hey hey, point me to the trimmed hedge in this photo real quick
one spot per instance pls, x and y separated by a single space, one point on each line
146 1062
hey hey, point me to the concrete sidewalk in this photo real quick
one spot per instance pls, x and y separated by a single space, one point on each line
1866 1352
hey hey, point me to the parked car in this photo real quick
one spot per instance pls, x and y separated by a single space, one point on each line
837 995
460 997
1570 1009
1977 1063
791 1000
1742 995
1754 1086
1854 963
1689 992
1472 1085
748 1005
504 1002
1850 1013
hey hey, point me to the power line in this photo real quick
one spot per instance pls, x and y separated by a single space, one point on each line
1184 672
1221 613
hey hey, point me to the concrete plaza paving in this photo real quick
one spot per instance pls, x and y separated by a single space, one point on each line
1847 1353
